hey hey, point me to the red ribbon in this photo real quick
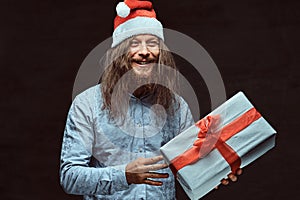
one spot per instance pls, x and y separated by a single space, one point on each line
209 139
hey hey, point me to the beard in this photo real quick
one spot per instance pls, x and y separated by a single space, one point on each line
144 83
143 74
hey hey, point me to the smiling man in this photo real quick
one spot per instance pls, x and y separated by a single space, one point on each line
113 134
144 51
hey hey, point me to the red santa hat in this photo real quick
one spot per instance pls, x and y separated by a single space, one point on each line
135 17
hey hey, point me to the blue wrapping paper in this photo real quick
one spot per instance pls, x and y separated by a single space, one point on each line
199 178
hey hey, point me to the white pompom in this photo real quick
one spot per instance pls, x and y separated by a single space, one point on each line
122 10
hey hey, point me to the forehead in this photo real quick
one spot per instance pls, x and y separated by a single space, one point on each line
145 37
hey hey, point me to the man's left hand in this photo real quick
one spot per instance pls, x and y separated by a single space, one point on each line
231 177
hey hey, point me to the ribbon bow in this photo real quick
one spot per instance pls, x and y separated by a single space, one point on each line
209 138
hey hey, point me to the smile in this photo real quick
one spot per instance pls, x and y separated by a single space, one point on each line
143 62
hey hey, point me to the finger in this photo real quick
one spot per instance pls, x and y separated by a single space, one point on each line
149 181
149 161
224 181
154 183
155 167
232 177
156 175
239 171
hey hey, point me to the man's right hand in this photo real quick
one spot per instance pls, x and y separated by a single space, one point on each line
139 170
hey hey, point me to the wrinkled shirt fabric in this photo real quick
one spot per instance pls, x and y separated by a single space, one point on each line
96 149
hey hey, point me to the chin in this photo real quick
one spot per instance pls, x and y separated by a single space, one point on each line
143 72
143 75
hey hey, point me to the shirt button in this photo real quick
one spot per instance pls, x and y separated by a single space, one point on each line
139 124
140 150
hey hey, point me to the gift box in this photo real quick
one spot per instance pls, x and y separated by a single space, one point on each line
230 137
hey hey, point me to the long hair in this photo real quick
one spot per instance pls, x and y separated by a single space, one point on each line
118 63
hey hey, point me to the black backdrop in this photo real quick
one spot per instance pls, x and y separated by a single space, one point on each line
42 44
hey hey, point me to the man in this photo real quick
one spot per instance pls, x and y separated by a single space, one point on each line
114 130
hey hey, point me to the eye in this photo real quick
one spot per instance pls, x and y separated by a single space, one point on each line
134 43
153 43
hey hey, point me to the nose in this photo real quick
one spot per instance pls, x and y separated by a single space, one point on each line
143 51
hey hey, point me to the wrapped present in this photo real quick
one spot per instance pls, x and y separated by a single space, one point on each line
230 137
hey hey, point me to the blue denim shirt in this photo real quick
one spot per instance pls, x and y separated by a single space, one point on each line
96 150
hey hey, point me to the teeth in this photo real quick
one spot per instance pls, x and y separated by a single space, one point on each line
143 63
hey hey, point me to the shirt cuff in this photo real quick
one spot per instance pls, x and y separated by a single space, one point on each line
119 177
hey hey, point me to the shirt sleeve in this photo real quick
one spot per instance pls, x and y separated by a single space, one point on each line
186 118
76 176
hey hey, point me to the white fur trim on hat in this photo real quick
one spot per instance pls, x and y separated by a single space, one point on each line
122 10
137 26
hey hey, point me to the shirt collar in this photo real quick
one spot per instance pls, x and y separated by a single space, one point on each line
145 99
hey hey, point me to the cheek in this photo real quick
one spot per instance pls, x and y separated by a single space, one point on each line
155 53
132 51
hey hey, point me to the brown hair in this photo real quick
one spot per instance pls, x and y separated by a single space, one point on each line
117 62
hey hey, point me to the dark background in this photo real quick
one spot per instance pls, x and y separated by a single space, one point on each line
254 43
